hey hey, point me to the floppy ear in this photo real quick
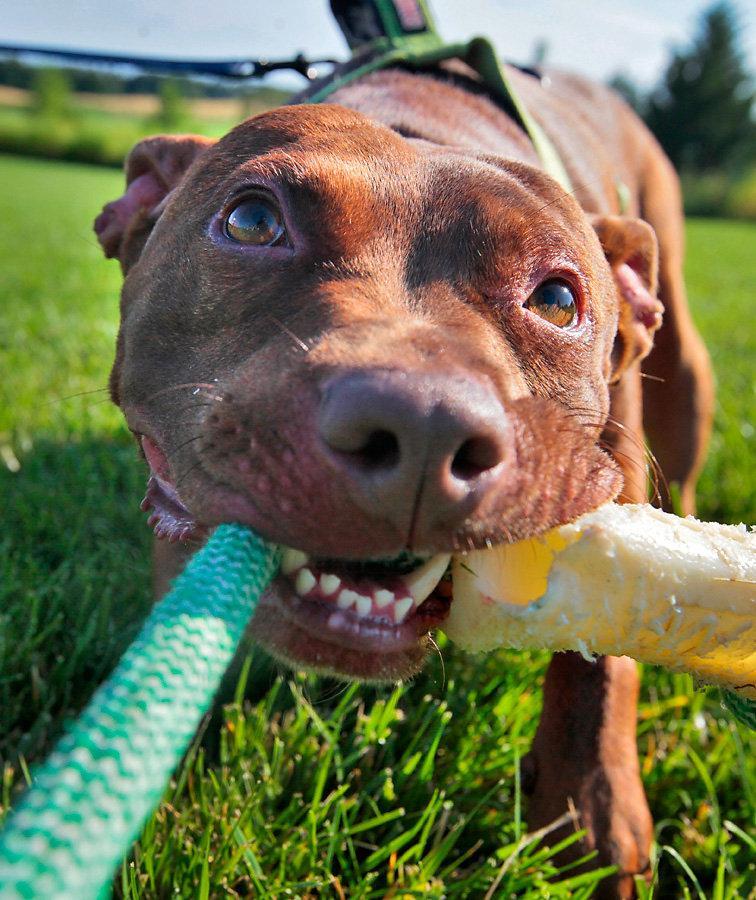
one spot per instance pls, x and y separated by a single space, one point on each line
631 249
154 167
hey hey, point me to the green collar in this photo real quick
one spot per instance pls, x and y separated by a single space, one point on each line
423 47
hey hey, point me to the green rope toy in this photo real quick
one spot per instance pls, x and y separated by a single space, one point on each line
93 794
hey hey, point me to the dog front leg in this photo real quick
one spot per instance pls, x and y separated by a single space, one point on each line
585 754
585 758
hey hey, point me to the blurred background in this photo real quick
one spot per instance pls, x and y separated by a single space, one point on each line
685 65
295 789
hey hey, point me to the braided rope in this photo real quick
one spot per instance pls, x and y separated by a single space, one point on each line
92 795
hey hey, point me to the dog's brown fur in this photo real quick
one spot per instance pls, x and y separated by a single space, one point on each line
422 221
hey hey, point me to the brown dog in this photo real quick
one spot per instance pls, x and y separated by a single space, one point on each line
377 333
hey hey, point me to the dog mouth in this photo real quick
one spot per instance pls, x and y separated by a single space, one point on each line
366 619
369 618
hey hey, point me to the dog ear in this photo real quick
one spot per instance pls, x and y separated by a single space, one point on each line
154 167
632 251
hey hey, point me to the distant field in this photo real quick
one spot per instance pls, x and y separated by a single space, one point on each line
306 786
102 128
226 109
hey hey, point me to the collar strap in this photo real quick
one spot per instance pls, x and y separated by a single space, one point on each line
401 33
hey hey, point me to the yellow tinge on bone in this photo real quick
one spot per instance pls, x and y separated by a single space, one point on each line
623 580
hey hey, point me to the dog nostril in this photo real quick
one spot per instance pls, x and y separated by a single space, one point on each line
380 451
476 456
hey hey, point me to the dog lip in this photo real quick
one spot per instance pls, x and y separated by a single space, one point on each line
156 459
314 634
297 646
332 626
168 516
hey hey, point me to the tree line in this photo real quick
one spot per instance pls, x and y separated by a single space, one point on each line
702 109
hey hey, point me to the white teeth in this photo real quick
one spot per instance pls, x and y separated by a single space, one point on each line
305 582
419 585
364 605
401 608
383 598
329 584
292 560
421 582
346 599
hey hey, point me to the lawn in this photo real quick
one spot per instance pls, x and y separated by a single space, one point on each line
300 786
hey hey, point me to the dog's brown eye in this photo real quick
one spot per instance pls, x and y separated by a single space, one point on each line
555 302
255 221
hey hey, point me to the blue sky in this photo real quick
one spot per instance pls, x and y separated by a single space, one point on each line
595 37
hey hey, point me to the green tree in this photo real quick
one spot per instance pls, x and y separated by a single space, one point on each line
628 89
702 110
173 111
51 93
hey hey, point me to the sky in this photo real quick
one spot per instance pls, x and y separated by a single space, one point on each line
595 37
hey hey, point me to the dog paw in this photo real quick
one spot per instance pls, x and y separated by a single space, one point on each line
609 803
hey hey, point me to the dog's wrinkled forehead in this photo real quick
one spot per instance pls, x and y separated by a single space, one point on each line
347 181
307 147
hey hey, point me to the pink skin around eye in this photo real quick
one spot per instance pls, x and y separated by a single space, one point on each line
578 324
294 238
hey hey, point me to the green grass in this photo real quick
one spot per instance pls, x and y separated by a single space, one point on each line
301 786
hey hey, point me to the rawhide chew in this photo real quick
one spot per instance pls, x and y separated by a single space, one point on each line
623 580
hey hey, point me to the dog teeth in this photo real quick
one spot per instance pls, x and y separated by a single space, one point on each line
364 606
402 607
346 599
329 584
391 606
292 560
421 582
305 582
384 598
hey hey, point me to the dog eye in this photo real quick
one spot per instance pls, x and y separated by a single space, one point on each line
255 220
554 301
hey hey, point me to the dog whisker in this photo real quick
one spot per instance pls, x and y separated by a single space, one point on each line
186 443
573 193
75 396
201 385
654 470
286 330
435 646
181 478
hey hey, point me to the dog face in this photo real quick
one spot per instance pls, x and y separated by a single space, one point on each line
372 350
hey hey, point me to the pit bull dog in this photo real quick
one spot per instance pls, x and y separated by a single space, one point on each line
375 331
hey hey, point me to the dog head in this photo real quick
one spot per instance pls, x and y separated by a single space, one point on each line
374 351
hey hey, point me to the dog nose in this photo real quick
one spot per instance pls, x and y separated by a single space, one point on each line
410 441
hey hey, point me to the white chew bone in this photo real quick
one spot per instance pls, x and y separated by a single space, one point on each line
623 580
